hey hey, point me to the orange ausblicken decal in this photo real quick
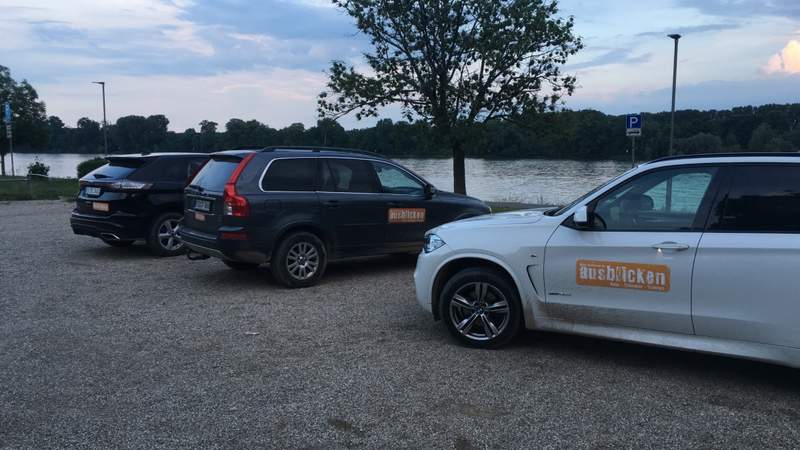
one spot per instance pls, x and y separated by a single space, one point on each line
406 215
614 274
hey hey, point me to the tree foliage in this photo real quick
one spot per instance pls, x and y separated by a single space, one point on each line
453 63
29 121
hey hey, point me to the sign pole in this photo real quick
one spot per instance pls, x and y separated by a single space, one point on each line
633 151
11 149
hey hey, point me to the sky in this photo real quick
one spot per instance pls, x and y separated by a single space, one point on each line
196 60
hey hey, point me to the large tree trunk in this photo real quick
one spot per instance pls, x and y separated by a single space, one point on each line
459 178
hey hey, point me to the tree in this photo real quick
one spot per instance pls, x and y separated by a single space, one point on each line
454 63
30 119
761 138
208 135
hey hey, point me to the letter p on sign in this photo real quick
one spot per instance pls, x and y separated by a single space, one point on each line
633 126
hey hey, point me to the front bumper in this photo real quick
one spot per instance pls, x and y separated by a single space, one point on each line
122 226
428 265
231 250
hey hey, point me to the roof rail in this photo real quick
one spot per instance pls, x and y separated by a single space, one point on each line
313 148
724 155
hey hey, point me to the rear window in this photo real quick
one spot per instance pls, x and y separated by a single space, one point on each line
291 175
169 169
115 170
215 174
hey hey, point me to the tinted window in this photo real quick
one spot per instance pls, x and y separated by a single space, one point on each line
396 181
348 175
762 199
171 169
663 200
215 174
290 175
115 171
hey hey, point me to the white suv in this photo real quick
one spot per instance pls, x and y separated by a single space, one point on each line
698 252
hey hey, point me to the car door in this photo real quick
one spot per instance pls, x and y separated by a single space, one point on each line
633 266
352 206
745 275
406 206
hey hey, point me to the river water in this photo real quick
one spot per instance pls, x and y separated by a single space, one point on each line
539 181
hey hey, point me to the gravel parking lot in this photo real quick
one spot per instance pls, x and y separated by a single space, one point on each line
106 347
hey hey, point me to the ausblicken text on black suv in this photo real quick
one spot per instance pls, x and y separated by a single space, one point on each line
136 197
298 208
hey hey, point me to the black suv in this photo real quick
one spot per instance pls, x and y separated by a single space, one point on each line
136 197
298 208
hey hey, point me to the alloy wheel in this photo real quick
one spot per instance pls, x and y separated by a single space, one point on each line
302 261
479 311
168 235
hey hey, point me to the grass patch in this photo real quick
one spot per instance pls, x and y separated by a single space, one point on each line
21 188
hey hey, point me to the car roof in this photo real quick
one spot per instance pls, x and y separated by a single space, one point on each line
144 156
303 151
743 157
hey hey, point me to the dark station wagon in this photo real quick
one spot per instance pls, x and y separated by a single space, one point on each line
298 208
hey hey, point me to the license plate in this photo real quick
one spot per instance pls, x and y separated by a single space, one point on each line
200 217
100 206
204 205
93 191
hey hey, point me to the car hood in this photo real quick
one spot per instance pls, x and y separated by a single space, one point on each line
526 216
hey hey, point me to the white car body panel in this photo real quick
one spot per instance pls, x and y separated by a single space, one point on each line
738 298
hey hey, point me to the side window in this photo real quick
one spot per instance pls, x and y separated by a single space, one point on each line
663 200
348 175
396 181
291 175
762 199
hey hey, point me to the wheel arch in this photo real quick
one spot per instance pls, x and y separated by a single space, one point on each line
455 265
303 227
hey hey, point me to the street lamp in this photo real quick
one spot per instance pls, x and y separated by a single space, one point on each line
105 124
674 37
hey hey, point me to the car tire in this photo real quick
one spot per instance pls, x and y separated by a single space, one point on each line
239 265
481 308
118 243
299 260
162 239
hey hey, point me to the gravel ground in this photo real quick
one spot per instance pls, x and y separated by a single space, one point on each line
104 347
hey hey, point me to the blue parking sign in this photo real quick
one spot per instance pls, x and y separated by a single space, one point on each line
7 112
633 125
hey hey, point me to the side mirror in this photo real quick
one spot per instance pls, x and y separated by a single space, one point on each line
581 216
430 191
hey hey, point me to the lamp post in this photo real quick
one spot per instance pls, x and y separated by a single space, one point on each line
674 37
105 124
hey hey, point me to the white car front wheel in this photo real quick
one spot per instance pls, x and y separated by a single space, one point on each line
481 308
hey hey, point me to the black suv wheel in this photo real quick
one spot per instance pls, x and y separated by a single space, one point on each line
163 240
481 308
299 260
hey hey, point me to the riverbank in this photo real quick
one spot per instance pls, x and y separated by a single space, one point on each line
22 188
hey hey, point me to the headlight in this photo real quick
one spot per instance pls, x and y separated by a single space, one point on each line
432 242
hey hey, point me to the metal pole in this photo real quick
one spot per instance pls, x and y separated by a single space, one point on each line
633 151
11 150
674 37
105 122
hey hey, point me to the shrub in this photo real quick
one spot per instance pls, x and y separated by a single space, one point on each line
38 168
89 165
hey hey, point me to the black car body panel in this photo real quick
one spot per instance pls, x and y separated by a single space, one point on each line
337 195
135 189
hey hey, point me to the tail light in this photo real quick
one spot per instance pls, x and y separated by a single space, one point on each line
234 204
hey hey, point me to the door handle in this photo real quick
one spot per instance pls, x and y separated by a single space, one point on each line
331 203
672 246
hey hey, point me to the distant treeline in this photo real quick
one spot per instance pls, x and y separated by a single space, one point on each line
565 134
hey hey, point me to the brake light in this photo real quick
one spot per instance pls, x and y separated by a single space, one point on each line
234 204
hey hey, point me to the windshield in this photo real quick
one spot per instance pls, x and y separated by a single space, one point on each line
563 209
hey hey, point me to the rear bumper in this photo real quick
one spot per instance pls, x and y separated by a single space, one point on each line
120 226
231 250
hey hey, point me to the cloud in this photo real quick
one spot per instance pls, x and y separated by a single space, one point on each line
745 8
691 30
785 61
615 56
